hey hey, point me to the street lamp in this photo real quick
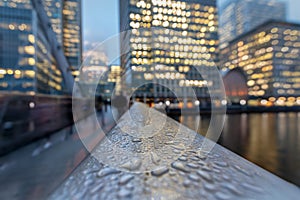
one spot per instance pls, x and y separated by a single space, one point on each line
168 103
224 102
243 102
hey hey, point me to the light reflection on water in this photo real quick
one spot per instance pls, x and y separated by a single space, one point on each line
271 140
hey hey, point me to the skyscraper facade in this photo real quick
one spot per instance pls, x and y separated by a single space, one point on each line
240 16
164 44
65 17
72 33
26 61
53 9
269 58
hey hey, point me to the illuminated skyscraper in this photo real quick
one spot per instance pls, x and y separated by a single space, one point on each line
53 9
164 43
26 60
65 17
72 33
269 57
240 16
26 52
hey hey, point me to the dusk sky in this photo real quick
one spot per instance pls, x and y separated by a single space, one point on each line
101 18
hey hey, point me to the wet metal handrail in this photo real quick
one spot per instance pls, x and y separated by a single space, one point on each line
164 166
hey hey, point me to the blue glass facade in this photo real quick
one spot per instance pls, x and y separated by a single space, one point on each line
26 61
65 17
240 16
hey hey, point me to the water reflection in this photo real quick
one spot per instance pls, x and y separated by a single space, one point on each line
271 140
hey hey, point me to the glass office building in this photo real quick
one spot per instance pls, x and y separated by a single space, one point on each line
164 44
72 33
269 57
53 9
240 16
26 61
65 17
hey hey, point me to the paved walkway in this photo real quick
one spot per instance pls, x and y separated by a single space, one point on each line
35 170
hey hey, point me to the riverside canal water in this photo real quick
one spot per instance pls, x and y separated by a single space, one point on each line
270 140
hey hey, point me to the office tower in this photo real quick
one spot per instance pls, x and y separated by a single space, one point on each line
240 16
110 83
65 17
100 80
53 9
269 57
164 43
72 33
26 60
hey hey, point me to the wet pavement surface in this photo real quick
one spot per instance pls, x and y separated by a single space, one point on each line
36 170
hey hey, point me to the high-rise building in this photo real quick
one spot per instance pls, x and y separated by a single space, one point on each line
72 33
240 16
163 44
28 63
269 57
53 9
100 80
65 17
26 60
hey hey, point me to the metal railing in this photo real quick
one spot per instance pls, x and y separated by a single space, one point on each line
170 164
